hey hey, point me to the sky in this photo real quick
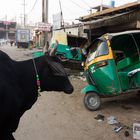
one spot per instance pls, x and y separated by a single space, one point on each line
72 9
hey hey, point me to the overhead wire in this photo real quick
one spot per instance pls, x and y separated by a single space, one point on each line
71 11
33 7
86 3
76 4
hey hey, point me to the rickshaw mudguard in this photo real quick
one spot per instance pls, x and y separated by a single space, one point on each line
89 88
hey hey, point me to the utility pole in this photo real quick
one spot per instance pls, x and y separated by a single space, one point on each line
24 16
21 19
45 11
62 19
45 19
6 27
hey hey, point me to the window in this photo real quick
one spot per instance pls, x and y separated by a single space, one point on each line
102 49
99 48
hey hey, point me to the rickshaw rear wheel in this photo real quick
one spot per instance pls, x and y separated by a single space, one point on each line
92 101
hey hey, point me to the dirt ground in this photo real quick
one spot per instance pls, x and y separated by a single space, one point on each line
57 116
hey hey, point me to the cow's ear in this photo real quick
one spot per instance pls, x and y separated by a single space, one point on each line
56 67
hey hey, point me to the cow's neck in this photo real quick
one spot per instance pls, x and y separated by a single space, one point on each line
37 77
27 80
28 73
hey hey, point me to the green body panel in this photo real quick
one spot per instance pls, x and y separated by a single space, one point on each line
124 80
89 88
106 78
124 63
65 51
37 54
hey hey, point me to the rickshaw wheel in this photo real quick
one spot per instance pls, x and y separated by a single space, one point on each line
92 101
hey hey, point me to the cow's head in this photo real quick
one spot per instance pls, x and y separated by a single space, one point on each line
54 76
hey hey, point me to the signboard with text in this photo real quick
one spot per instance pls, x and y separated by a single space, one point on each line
57 18
41 26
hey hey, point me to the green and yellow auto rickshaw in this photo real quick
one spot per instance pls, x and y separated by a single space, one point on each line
112 67
69 46
69 49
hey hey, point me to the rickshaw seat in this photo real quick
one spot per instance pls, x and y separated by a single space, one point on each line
123 63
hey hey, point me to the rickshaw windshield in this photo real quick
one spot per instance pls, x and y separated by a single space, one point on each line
99 48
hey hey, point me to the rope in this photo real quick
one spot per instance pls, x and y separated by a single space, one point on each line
37 77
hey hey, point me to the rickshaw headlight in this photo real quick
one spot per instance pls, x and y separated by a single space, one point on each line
101 64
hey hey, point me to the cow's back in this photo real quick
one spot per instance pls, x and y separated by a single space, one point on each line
7 66
10 101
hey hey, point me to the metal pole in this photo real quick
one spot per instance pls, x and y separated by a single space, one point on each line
46 11
24 14
45 19
42 10
61 14
6 31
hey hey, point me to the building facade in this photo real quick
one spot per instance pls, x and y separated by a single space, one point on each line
8 30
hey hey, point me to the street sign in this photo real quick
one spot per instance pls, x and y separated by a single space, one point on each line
41 26
57 18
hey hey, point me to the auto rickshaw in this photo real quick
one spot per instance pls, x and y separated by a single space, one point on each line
69 49
112 67
69 46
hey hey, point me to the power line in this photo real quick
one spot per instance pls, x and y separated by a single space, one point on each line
24 7
86 3
76 4
69 10
33 7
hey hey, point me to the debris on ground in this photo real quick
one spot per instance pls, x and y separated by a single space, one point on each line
75 77
99 117
126 133
112 120
118 127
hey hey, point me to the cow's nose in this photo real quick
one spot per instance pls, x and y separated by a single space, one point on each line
69 90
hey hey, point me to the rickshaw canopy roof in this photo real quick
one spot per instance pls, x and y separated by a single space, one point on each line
112 35
120 40
128 40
